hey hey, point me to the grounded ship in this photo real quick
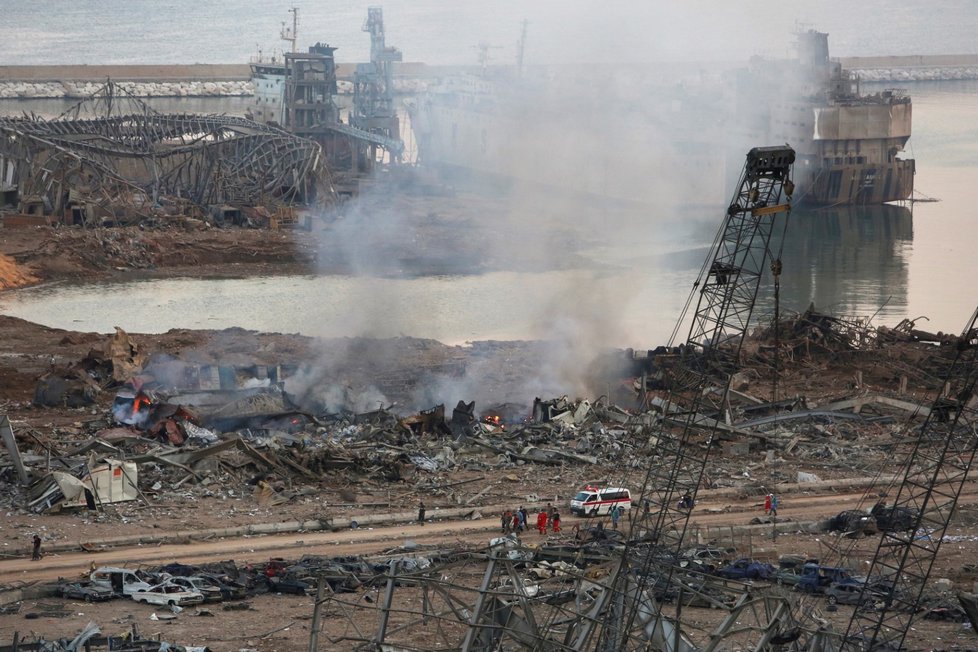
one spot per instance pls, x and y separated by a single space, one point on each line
613 138
848 144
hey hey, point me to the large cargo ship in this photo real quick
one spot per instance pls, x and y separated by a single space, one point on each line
848 144
635 139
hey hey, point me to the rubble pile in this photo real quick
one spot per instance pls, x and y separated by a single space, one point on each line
183 427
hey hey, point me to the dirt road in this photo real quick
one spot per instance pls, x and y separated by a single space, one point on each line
374 540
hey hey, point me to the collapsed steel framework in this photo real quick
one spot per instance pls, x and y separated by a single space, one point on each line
113 157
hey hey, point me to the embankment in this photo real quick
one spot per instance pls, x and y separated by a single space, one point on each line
197 80
13 276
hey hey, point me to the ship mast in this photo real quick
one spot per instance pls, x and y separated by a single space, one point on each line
520 48
291 35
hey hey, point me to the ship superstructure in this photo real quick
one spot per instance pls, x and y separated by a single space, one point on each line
300 94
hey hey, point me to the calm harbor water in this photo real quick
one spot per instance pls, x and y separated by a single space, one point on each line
887 261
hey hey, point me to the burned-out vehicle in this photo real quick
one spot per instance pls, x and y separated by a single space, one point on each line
851 591
229 588
893 518
746 569
85 591
289 583
854 522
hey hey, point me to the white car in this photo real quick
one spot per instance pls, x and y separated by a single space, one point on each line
168 594
204 587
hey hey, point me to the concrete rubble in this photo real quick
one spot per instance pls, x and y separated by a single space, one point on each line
196 431
191 426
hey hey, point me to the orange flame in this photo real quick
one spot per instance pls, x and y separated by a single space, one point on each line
139 402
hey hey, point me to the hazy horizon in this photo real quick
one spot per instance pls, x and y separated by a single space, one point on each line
437 32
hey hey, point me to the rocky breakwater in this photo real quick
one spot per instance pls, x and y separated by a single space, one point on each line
935 73
80 89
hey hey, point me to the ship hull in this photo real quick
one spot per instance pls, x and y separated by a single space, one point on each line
862 184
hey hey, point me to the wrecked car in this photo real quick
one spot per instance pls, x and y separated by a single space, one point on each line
851 591
746 569
853 521
207 589
168 594
893 518
85 591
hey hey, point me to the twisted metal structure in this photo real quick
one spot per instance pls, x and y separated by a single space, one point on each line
112 156
934 474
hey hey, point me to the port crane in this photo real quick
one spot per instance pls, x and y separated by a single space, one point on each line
934 473
727 291
621 613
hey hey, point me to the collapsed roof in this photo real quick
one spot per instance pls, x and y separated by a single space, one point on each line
112 155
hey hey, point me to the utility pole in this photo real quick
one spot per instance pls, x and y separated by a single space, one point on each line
316 615
776 272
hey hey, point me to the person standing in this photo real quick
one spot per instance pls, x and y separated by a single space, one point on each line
520 515
36 554
556 521
774 505
615 515
421 512
767 504
542 522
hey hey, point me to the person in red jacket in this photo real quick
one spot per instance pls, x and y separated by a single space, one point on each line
542 521
555 519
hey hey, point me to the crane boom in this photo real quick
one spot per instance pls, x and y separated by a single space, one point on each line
726 301
935 472
727 290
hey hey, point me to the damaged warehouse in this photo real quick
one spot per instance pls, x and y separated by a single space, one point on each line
112 160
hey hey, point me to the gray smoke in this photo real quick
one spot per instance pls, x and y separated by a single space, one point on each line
581 168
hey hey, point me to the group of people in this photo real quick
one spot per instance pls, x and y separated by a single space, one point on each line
770 505
548 519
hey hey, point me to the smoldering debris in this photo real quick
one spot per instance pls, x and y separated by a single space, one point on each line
210 429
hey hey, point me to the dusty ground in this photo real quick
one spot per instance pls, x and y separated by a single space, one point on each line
27 351
281 622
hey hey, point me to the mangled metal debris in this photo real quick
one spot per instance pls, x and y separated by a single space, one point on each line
106 482
111 159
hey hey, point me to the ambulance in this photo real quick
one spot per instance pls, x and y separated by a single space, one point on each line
598 501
